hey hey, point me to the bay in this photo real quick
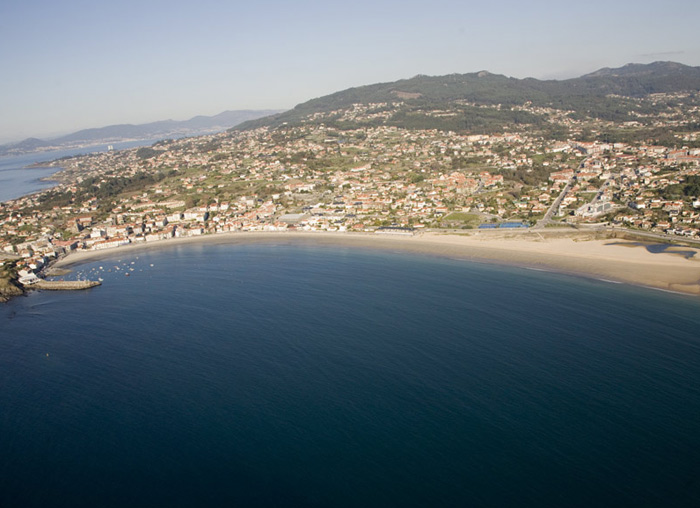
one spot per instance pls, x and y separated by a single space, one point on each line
17 180
307 375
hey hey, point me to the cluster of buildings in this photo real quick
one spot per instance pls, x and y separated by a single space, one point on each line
314 177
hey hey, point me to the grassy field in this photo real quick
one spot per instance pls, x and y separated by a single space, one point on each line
465 218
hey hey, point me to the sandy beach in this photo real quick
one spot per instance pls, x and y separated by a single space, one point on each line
670 268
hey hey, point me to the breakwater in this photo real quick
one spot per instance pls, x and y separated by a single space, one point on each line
65 285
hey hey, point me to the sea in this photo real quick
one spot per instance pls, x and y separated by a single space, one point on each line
17 179
291 373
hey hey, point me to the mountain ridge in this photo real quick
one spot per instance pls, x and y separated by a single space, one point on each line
196 125
591 93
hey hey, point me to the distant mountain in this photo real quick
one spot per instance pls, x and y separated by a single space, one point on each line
590 95
653 69
31 144
638 80
154 130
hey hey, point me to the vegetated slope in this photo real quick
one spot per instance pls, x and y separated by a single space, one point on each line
597 95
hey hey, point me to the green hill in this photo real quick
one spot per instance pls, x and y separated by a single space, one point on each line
607 94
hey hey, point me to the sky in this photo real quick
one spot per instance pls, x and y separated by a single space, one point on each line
72 64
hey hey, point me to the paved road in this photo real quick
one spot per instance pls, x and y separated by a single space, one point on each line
656 236
547 219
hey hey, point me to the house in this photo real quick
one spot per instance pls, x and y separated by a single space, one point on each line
562 176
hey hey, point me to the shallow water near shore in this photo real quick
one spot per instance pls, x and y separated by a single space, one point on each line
308 375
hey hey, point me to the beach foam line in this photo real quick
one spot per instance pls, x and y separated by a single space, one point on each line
670 291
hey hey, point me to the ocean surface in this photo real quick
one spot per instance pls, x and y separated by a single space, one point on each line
16 180
296 374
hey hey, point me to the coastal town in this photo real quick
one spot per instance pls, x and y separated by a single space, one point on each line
332 254
375 178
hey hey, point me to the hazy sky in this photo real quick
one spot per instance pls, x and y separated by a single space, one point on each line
69 64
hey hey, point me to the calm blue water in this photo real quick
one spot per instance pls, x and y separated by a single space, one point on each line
305 375
16 180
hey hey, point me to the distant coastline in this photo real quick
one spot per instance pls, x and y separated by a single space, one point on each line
129 133
28 173
675 269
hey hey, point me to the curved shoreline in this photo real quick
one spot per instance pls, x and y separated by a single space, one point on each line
676 269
